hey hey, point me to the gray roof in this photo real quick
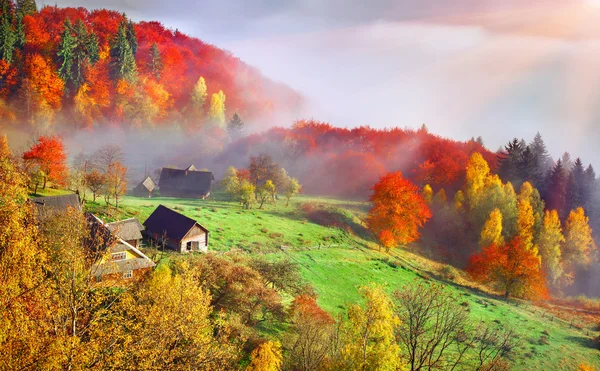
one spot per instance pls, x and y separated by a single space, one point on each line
48 206
122 266
189 181
128 229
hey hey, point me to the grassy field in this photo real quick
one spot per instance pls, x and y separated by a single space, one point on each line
338 261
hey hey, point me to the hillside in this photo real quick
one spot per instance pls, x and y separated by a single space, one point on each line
337 261
84 68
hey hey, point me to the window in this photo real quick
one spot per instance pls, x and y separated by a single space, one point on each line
128 274
189 246
119 256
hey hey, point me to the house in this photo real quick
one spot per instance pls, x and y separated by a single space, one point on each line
130 230
176 231
145 188
187 183
122 261
52 205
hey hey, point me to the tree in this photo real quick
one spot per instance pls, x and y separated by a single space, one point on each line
247 194
266 357
265 192
231 183
131 37
108 154
236 127
198 97
557 189
538 147
550 242
427 193
575 193
262 168
116 181
26 7
155 63
291 189
49 155
66 52
477 174
216 112
95 181
8 37
511 268
525 225
459 200
369 338
579 244
492 230
398 211
122 57
510 161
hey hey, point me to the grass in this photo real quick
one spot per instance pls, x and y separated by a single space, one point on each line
338 261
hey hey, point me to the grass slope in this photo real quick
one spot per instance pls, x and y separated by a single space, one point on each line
338 262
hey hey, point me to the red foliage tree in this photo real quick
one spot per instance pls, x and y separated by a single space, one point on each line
48 154
511 268
398 211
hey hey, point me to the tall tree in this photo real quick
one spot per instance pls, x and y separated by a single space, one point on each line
49 154
478 172
132 38
216 111
66 52
122 63
509 160
26 7
398 211
556 193
525 225
550 243
8 36
538 147
492 230
579 245
155 63
574 196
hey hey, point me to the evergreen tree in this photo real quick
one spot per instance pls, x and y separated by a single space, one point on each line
509 160
479 141
236 127
132 38
122 59
557 189
542 159
155 63
8 36
567 161
575 186
20 32
529 169
66 52
26 7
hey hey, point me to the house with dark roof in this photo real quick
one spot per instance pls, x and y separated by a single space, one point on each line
187 183
171 229
121 261
52 205
145 188
130 230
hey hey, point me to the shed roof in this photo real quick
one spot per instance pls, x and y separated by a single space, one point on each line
186 180
148 184
175 225
128 229
50 205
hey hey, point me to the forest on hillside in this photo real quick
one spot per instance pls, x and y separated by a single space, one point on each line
83 69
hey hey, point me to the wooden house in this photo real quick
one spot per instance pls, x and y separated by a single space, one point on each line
185 183
46 207
122 261
145 188
130 230
175 231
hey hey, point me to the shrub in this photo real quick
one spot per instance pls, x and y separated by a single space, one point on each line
449 273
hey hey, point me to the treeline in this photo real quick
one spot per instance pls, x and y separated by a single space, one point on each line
83 69
205 312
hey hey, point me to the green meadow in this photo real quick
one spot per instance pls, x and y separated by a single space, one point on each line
337 260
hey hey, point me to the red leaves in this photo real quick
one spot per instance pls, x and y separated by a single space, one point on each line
511 268
48 153
398 211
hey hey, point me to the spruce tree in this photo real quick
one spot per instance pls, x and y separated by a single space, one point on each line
557 189
132 38
529 168
155 63
122 59
8 11
543 161
20 32
8 37
236 127
26 7
509 160
66 53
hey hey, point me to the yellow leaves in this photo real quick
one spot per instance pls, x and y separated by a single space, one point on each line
427 193
266 357
550 241
478 171
216 112
525 222
579 243
492 230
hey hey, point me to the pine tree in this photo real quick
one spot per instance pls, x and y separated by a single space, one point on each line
509 160
26 7
20 32
543 161
132 38
236 127
66 52
122 59
575 186
528 166
8 36
557 190
155 63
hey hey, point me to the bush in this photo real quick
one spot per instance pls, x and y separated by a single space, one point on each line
449 273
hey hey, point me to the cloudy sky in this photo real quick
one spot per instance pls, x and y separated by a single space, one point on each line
495 68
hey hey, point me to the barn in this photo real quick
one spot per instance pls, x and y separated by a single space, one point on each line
145 188
173 230
185 183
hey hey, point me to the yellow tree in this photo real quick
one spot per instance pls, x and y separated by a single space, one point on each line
550 242
427 193
528 192
525 224
478 172
266 357
216 111
440 198
459 200
198 98
369 334
579 243
492 230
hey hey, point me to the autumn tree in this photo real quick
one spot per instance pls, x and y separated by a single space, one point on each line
216 111
398 211
525 225
265 192
478 171
116 182
427 193
198 98
95 181
511 268
550 244
107 155
266 357
247 193
49 155
579 245
492 230
291 189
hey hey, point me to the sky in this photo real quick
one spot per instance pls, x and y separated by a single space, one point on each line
466 68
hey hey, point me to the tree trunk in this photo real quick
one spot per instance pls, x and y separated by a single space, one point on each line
45 179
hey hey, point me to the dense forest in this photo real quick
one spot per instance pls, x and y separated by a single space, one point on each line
84 68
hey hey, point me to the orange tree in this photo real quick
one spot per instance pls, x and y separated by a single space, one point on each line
510 267
398 212
48 154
